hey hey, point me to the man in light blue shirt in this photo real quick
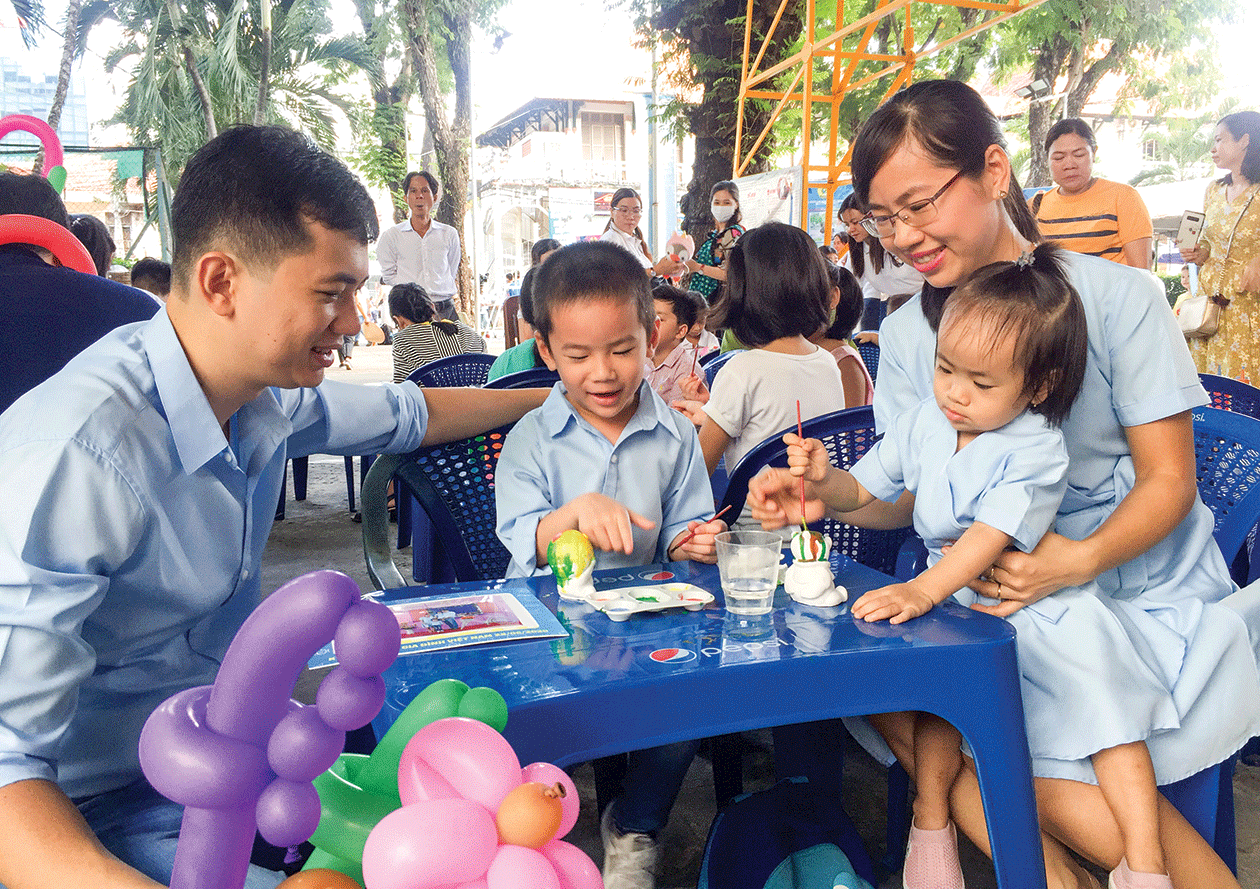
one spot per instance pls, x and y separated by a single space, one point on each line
142 484
421 250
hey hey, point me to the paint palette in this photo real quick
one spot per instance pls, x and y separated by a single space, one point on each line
622 602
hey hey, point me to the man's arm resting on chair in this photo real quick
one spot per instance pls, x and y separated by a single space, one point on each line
46 844
459 413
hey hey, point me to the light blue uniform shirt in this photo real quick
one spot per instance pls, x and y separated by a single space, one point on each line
132 537
552 456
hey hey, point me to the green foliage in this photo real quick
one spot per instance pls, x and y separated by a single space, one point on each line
161 105
1172 287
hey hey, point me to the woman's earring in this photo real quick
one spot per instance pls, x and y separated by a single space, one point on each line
1002 195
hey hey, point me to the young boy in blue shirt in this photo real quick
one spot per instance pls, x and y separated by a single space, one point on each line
605 455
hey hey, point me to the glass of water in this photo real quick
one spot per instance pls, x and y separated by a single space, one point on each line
749 564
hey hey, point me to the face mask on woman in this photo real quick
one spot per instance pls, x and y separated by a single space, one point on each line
722 212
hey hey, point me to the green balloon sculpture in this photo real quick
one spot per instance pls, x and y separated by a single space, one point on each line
358 791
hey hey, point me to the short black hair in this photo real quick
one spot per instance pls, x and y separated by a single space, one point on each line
1072 125
94 235
1032 299
777 286
685 304
544 246
411 302
428 177
154 271
254 189
590 270
849 308
31 195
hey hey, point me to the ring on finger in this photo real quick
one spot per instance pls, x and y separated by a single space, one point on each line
999 590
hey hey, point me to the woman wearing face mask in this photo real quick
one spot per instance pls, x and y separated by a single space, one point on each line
707 274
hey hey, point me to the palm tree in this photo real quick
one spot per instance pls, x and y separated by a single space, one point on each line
30 14
198 67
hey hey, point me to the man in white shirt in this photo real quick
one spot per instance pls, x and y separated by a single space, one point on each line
422 250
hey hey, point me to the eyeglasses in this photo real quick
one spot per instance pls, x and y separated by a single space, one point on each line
633 211
918 214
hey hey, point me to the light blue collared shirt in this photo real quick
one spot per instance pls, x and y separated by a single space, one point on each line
552 455
132 538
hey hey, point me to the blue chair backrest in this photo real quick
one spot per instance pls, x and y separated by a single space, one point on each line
847 435
870 357
454 484
1227 470
534 378
715 364
1231 395
470 369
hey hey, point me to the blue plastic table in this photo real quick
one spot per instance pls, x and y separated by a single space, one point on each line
613 687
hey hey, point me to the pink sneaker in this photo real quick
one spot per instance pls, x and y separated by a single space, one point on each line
1123 878
932 860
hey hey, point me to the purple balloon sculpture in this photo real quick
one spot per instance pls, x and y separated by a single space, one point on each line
240 755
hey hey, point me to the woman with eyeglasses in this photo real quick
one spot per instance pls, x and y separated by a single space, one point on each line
932 168
623 230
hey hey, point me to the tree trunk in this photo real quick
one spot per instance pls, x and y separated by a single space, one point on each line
203 94
68 47
450 137
264 71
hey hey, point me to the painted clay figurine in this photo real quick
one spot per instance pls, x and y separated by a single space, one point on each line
572 561
808 579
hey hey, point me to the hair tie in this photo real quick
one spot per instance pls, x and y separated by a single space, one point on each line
1025 259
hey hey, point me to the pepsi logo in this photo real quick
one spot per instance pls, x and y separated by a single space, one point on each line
672 655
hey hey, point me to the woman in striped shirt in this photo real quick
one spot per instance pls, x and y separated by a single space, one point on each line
420 338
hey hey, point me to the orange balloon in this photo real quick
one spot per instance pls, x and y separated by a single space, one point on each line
530 815
319 878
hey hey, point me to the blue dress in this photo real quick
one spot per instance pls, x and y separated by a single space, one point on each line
1013 479
1139 371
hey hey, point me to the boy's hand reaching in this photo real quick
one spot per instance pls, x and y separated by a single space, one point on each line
702 546
897 603
607 523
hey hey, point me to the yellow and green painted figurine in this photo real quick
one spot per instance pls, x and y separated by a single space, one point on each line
572 561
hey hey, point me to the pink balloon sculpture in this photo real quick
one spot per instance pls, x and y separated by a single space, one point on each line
454 775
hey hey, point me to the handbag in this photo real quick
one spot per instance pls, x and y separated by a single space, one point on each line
1199 317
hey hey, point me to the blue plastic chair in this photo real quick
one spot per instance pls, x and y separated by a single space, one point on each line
1227 471
870 357
454 485
534 378
847 435
1231 395
470 369
715 364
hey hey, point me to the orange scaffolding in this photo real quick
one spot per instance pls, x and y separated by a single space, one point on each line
840 52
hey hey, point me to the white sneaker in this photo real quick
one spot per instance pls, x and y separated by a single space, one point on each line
629 858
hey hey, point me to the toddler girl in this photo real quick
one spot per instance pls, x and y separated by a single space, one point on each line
987 464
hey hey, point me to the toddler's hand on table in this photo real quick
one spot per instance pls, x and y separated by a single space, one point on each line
896 603
702 547
607 523
774 499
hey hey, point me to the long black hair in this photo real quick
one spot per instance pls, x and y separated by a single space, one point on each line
954 126
1239 124
857 255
